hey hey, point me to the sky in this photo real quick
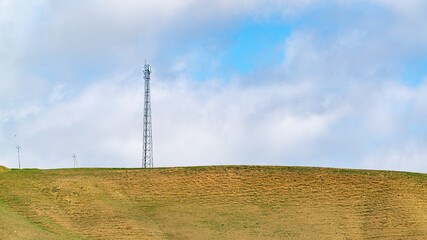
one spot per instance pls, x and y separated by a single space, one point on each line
274 82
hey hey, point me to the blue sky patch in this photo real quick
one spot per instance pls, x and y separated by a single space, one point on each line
415 71
255 45
240 49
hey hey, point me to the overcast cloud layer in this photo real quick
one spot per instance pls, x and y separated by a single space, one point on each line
301 83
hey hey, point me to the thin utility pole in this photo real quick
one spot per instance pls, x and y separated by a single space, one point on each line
75 160
19 157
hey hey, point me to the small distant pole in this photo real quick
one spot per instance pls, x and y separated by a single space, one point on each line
19 157
75 160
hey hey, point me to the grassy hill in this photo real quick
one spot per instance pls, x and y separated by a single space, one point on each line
221 202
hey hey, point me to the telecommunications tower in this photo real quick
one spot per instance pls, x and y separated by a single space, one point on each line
147 143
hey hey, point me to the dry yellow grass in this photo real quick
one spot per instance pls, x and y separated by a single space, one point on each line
4 169
223 202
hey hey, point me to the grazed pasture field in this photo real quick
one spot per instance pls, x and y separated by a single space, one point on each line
219 202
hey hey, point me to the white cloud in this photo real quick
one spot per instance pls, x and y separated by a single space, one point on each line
407 156
207 123
194 124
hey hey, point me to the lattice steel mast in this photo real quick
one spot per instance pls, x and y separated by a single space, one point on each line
147 143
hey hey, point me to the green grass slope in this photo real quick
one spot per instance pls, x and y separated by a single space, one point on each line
14 226
221 202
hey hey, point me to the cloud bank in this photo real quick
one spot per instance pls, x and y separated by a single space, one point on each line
71 82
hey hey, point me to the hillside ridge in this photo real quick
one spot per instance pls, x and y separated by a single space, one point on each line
213 202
